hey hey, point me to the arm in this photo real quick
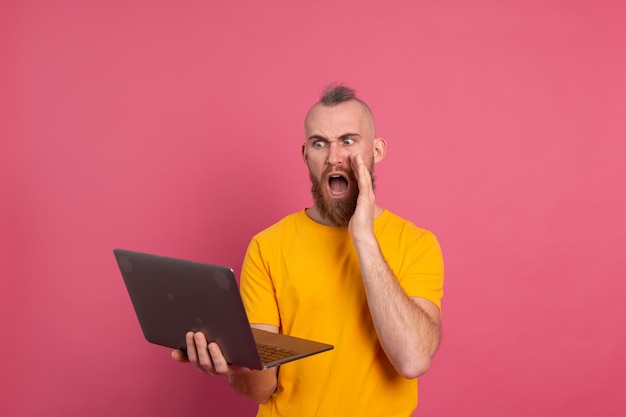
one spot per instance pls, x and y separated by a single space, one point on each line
408 328
256 385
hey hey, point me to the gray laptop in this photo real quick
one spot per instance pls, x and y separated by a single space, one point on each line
173 296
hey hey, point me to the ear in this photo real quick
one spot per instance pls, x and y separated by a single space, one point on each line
305 156
380 149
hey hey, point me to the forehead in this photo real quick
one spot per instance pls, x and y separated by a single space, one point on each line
334 121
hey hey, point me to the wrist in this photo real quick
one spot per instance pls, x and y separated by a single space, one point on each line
366 246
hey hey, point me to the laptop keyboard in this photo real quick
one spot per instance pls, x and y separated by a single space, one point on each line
272 353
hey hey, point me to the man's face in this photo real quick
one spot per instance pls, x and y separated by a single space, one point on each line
333 133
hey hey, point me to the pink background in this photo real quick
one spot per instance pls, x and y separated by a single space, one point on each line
175 127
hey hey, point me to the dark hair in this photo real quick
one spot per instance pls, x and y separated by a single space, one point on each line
335 94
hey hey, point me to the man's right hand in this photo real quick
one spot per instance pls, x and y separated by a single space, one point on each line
257 386
206 357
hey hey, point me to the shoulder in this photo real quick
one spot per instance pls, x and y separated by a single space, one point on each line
287 223
390 226
390 220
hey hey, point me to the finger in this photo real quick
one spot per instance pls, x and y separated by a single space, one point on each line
221 365
205 362
179 355
192 353
219 362
364 179
356 161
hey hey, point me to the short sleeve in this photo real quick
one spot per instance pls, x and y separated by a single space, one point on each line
422 272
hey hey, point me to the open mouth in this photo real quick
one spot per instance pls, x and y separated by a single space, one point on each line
337 185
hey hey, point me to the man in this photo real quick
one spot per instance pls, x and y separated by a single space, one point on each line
345 272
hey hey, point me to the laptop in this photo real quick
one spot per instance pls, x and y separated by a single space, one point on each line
173 296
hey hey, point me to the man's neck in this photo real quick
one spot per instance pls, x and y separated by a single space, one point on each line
315 215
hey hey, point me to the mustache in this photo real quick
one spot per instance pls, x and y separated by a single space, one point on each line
339 168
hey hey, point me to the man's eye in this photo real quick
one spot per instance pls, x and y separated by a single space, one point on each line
318 144
348 141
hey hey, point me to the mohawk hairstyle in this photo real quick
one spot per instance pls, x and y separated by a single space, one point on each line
336 94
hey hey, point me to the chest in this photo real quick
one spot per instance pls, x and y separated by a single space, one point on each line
318 276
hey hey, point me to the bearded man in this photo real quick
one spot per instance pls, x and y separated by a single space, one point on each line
346 272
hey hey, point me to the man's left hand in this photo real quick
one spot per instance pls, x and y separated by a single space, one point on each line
361 225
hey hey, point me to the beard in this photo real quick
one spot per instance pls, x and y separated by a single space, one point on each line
337 212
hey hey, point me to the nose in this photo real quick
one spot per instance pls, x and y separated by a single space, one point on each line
336 154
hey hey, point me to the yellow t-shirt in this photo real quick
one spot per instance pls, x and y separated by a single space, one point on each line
305 278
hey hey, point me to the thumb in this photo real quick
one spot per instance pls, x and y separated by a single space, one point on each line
179 356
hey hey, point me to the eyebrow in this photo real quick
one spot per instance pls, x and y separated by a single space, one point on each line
315 138
344 136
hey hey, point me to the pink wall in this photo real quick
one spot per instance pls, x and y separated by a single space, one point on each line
175 127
